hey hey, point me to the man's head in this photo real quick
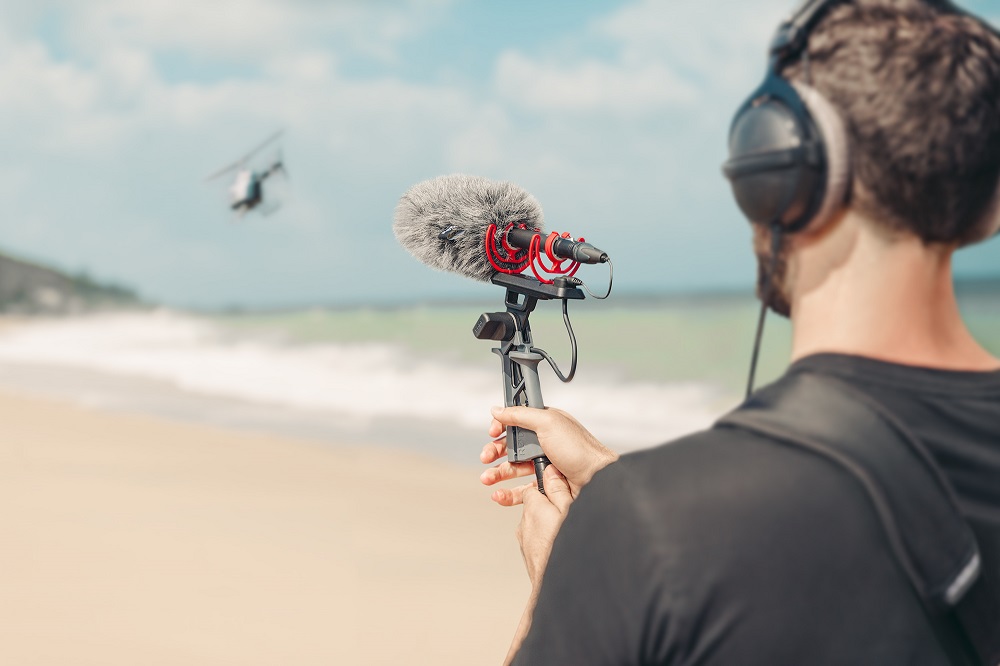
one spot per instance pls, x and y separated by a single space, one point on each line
917 86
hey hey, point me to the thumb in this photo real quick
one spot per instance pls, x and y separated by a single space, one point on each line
524 417
557 489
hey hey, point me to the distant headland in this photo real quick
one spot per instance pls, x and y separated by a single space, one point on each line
30 288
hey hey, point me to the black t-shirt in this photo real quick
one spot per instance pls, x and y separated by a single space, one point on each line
725 548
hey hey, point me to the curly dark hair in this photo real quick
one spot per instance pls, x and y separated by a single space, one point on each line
917 83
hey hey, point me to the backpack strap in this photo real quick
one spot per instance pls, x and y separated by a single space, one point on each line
929 538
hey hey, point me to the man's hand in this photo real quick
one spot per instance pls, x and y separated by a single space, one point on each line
567 444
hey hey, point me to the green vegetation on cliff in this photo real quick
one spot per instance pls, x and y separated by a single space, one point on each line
28 288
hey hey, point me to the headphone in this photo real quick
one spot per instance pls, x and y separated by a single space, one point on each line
790 161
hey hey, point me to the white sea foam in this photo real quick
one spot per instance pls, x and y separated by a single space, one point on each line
366 381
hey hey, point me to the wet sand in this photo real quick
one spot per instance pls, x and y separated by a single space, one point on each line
134 540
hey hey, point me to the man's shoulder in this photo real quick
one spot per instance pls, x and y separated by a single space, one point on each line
723 463
729 481
719 444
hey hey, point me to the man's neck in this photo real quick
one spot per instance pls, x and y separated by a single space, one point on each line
892 301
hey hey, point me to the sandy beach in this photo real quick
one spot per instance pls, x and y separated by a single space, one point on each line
128 539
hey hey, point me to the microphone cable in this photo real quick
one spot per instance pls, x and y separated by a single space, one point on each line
572 342
569 328
611 281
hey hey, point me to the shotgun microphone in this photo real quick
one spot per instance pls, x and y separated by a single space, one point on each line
444 223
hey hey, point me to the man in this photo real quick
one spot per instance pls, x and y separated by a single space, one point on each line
726 547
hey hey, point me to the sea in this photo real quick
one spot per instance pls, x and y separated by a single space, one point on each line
413 378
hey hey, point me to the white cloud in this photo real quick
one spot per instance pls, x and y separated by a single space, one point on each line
591 86
31 81
307 67
710 38
479 146
94 103
667 55
240 30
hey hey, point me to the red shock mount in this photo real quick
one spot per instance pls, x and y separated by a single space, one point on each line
512 260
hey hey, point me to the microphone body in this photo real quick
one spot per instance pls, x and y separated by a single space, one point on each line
564 248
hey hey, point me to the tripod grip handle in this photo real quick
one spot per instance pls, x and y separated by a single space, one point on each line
541 463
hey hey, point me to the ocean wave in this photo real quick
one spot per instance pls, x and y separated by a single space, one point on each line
366 381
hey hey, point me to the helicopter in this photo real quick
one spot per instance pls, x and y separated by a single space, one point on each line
246 192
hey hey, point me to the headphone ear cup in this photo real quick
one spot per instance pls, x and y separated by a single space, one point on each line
837 149
772 177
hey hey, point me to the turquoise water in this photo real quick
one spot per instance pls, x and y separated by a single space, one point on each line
696 338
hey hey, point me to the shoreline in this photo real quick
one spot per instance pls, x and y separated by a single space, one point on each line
160 399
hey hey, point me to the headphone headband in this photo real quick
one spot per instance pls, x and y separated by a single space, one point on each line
793 34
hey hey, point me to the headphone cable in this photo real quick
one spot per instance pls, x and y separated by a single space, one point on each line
776 238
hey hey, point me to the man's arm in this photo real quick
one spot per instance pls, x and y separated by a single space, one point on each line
540 522
603 589
522 629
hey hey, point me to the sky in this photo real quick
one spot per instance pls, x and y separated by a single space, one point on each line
612 113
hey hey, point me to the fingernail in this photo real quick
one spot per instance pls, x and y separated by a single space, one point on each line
495 411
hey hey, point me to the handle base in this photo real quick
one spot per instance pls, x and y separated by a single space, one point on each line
541 463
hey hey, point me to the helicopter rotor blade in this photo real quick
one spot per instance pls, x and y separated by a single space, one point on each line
243 160
223 171
260 146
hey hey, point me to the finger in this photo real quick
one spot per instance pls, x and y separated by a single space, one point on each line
557 488
512 496
504 471
493 451
530 497
496 428
531 418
